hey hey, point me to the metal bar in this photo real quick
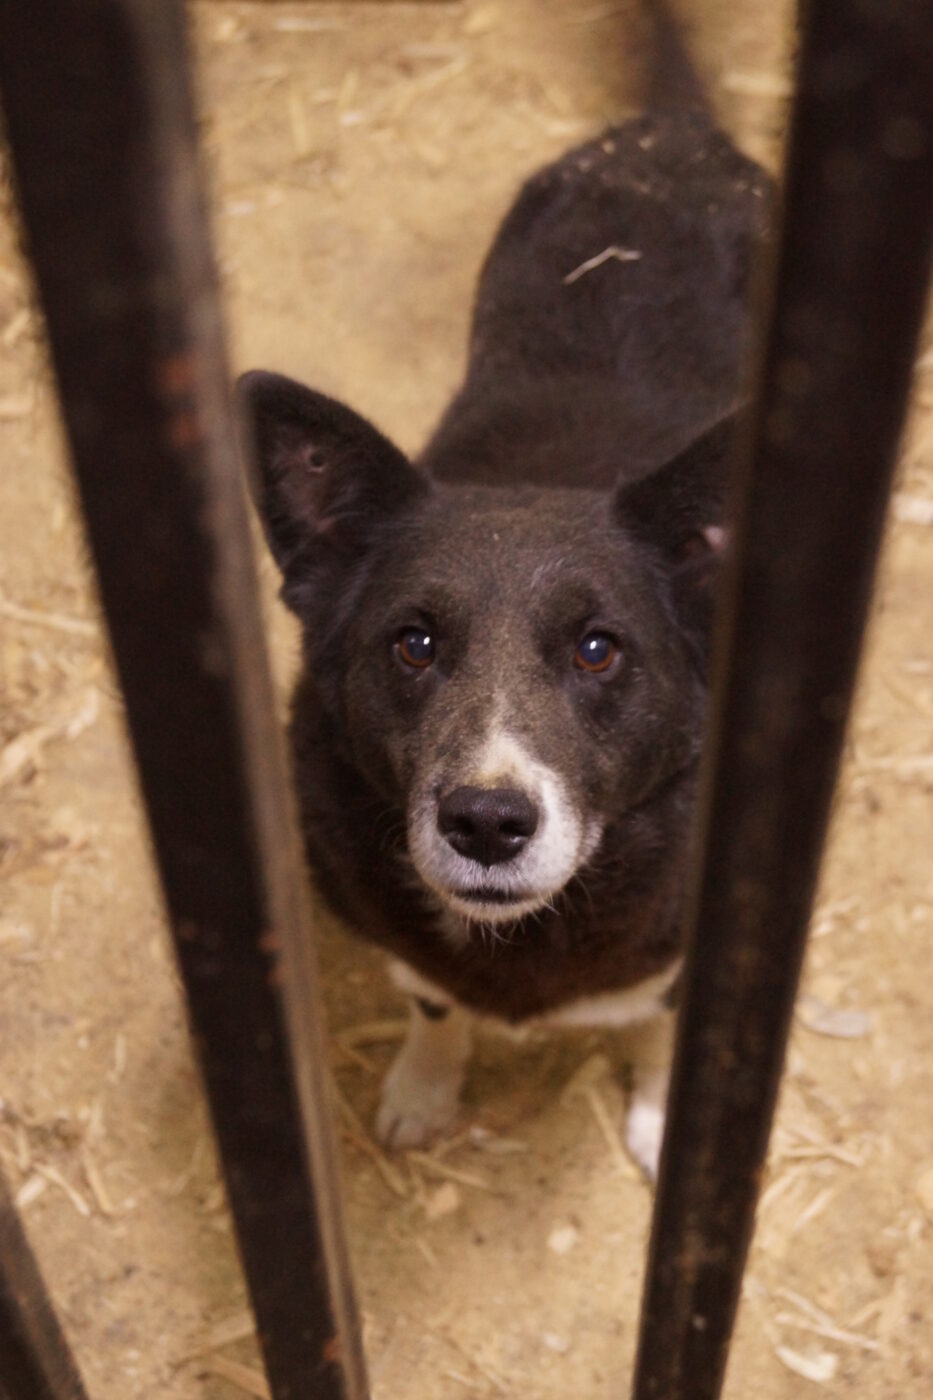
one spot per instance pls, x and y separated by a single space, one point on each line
852 273
35 1363
102 130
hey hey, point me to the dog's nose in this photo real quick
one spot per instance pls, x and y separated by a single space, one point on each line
488 825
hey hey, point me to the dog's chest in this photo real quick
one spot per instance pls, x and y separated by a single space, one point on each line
604 1011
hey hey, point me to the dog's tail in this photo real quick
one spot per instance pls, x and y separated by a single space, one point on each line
672 83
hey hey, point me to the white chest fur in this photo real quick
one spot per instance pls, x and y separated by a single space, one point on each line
610 1010
421 1092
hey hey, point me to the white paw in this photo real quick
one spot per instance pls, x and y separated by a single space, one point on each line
415 1106
644 1132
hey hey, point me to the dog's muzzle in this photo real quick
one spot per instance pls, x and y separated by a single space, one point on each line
502 844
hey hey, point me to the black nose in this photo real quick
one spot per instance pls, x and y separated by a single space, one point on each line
488 825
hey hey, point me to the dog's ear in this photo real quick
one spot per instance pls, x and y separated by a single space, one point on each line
325 479
678 509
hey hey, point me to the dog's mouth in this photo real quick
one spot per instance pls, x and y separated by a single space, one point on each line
493 896
485 905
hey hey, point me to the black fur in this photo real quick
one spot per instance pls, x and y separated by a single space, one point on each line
569 486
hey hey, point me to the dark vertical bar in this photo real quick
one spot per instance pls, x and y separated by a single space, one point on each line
101 126
852 274
35 1363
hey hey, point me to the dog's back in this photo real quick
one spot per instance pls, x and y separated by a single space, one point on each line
613 306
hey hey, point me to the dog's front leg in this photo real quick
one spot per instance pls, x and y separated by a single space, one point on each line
421 1092
652 1050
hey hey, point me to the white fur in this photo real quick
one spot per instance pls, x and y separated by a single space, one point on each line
615 1009
563 841
644 1134
414 985
651 1072
421 1091
611 1011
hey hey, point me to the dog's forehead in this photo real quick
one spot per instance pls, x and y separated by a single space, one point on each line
476 539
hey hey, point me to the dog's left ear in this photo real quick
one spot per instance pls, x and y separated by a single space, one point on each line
678 510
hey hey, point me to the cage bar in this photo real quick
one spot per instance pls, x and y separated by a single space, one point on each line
850 286
35 1361
102 131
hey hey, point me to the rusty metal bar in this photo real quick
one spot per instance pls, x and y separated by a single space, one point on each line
851 279
102 130
35 1363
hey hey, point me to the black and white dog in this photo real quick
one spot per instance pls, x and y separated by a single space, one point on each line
497 726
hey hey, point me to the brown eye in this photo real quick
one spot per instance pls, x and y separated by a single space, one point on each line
596 652
415 648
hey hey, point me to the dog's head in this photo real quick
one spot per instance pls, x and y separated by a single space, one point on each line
514 670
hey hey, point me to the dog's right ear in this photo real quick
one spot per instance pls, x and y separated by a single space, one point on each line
679 506
678 509
325 479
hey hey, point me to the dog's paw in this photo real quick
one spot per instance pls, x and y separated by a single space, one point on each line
415 1107
644 1133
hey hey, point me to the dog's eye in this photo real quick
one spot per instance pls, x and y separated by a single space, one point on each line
415 648
596 652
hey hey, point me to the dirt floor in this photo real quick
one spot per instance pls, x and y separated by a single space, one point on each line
360 155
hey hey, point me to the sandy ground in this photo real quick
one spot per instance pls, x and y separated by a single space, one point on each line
360 156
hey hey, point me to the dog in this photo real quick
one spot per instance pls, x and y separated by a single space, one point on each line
498 721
